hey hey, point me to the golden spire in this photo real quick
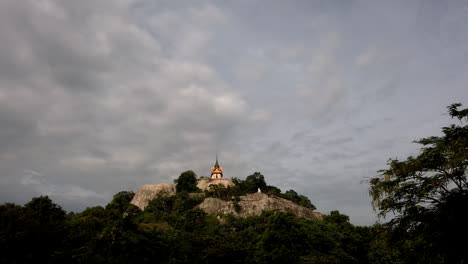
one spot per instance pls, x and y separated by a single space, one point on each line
216 170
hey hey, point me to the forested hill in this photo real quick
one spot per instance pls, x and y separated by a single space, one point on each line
249 197
172 229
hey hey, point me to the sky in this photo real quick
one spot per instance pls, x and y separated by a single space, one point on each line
98 97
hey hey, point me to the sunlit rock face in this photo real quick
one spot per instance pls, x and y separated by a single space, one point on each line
150 191
244 206
248 205
254 204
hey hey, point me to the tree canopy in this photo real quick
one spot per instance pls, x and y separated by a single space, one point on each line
187 182
171 230
425 191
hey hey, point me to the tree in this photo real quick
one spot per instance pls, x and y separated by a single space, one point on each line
298 199
336 217
256 181
424 191
43 210
14 233
282 241
251 184
83 233
273 190
45 229
163 204
121 201
187 182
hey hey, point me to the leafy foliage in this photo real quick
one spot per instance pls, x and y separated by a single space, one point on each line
38 226
298 199
426 194
187 182
251 184
170 230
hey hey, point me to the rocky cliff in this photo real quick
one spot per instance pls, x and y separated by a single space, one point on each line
254 204
150 191
247 205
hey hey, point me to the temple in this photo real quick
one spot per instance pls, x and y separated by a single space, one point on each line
216 170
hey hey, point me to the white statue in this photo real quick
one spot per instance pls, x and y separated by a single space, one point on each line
259 191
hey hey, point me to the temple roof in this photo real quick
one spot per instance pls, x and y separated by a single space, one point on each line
216 168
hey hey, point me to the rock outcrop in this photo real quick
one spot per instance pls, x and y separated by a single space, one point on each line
248 205
150 191
254 204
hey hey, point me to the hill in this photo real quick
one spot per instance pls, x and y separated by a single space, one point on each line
254 205
242 206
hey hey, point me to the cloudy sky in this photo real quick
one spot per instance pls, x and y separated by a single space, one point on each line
102 96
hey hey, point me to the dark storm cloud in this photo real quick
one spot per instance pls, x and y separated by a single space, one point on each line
16 130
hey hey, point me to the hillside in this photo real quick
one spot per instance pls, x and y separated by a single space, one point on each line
148 192
247 205
254 205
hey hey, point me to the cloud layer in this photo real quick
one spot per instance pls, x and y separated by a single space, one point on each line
98 97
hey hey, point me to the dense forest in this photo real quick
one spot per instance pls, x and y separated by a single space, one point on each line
425 197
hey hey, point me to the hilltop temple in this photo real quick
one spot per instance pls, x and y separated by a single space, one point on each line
216 171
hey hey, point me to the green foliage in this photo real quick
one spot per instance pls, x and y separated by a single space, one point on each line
162 204
14 232
185 201
282 241
384 249
171 230
121 201
336 217
251 184
121 205
273 190
424 191
298 199
43 210
187 182
221 192
38 227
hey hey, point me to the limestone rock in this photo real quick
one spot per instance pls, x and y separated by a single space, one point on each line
150 191
248 205
254 204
